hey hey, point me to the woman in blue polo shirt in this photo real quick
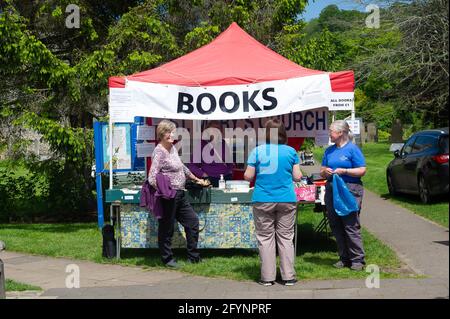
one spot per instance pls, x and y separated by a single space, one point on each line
345 159
275 165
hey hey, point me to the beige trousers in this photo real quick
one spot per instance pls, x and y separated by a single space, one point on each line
274 222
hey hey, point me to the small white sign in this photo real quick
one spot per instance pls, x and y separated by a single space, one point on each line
121 97
342 101
121 105
120 114
355 126
145 149
145 132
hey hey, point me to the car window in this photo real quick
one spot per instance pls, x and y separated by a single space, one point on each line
423 143
444 144
407 148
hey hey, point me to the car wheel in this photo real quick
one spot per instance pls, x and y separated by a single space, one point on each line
390 185
424 192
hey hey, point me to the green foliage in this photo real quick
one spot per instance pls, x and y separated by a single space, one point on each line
319 52
55 78
200 36
308 144
44 190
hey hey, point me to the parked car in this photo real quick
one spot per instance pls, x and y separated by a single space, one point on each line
421 165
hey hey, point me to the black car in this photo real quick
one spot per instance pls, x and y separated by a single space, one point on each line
421 166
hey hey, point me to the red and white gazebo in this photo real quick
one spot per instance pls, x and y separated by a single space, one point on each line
233 77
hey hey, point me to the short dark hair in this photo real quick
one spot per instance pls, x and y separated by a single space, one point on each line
276 123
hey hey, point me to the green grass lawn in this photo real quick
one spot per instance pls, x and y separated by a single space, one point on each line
378 157
316 252
12 285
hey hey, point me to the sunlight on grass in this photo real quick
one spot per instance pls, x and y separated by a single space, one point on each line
12 285
315 257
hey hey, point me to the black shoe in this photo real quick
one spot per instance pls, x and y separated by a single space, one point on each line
266 283
290 282
340 264
172 264
194 261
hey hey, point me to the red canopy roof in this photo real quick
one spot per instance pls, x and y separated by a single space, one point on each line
233 58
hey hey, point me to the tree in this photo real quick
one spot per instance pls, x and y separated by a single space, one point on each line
56 77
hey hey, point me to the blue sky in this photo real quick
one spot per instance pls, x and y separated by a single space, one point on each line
314 7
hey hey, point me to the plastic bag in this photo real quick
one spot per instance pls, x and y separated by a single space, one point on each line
343 200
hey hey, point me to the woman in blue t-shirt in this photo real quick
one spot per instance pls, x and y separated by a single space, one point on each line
345 159
275 166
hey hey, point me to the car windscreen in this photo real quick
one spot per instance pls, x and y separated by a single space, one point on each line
443 143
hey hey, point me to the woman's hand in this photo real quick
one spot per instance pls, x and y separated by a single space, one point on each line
326 172
203 182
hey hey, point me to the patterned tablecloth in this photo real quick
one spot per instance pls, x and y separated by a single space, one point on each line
221 226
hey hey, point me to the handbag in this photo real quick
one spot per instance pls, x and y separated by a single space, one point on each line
343 200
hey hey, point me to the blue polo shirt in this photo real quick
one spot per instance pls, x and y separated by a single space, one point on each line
348 156
273 165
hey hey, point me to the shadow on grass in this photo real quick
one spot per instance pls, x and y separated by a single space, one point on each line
310 241
51 228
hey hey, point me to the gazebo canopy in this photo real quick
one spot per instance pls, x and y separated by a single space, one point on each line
232 77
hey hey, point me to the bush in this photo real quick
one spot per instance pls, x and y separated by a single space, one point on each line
49 190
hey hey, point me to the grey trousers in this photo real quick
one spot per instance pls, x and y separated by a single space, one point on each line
274 223
346 229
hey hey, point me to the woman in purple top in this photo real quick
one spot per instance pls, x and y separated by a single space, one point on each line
165 160
215 153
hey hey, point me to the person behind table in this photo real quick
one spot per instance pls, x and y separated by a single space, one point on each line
345 159
213 164
166 161
275 166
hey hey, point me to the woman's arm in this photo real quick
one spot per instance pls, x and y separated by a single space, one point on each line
296 173
354 172
249 173
155 168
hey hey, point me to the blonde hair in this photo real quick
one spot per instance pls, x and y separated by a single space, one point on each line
342 126
164 127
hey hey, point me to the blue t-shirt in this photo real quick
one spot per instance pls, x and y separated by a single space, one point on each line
273 165
348 156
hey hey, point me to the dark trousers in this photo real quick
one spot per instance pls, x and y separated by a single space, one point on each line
178 209
346 229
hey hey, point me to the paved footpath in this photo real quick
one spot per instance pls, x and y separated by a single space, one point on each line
421 244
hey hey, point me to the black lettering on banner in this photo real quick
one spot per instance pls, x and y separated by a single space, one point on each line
288 122
321 120
298 118
235 100
269 98
309 127
185 99
250 101
212 100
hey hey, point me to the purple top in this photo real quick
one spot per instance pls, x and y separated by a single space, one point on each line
217 166
170 165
